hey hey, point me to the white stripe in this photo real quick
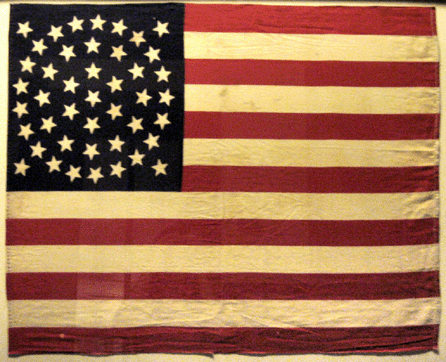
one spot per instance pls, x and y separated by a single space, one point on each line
295 99
310 153
383 48
220 259
222 205
223 313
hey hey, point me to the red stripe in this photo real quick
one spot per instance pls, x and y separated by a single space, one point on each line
318 73
221 232
310 20
310 179
212 286
311 126
223 340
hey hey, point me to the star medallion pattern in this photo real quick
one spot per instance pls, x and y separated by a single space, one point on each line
97 99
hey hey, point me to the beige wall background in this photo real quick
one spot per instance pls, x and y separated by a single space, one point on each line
424 357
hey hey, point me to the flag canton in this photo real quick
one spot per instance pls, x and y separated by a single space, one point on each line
96 97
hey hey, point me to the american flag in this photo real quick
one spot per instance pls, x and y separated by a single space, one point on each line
222 179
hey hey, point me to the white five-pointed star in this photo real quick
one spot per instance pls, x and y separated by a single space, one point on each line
54 164
93 72
70 111
67 52
152 54
27 65
95 174
21 167
48 124
115 84
160 168
118 52
152 141
161 28
93 98
137 158
92 124
92 45
74 173
21 86
70 85
65 144
25 131
162 74
116 144
117 169
166 97
42 98
56 32
37 150
20 109
137 38
136 71
24 29
162 120
115 111
91 151
76 24
97 23
135 124
49 71
143 97
119 27
39 46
